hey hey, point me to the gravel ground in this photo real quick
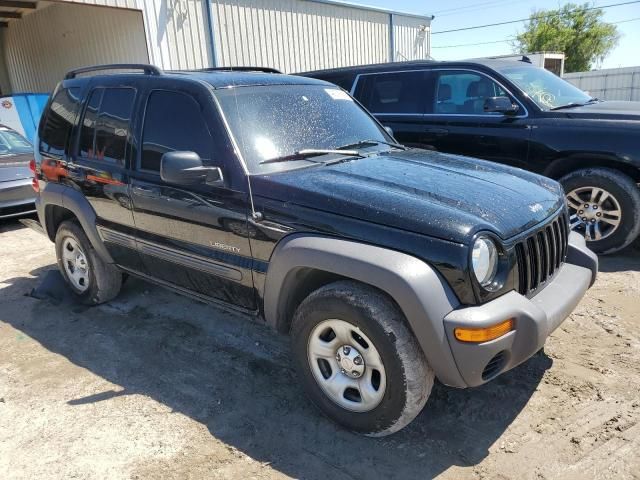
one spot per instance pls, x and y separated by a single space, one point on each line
154 385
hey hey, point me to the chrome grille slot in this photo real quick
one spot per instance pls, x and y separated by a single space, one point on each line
540 255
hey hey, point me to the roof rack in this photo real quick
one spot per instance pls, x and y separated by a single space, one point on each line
240 69
147 69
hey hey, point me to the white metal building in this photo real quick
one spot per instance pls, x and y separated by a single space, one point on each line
610 83
41 40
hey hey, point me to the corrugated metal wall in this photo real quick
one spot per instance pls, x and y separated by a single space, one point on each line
295 35
291 35
37 55
609 84
412 38
177 31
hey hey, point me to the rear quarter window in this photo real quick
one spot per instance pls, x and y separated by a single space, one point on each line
59 121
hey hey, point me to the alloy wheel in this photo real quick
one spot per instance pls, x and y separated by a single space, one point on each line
594 212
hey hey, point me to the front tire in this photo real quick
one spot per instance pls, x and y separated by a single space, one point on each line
604 206
90 279
358 360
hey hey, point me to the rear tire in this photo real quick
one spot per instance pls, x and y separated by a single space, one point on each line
621 194
90 279
374 330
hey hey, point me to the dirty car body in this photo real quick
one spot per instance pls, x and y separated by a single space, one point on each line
258 190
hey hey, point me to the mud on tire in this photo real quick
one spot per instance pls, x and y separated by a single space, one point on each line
103 280
409 378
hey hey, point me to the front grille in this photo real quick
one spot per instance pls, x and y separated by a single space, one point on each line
541 254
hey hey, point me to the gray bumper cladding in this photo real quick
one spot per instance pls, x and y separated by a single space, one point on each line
534 318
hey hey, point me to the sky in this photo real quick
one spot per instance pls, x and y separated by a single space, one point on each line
465 13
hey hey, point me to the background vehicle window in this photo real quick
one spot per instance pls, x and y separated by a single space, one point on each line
399 92
465 93
105 126
59 121
12 142
545 88
173 122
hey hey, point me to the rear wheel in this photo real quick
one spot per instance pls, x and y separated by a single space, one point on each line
90 279
358 360
604 206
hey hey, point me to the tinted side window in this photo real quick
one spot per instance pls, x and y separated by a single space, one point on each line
59 121
464 93
88 130
105 126
398 92
173 122
112 131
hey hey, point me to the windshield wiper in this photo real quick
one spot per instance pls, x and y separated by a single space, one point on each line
310 152
362 143
576 104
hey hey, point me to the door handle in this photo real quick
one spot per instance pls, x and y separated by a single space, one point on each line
438 132
146 191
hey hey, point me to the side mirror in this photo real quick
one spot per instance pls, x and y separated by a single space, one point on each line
500 105
185 168
389 130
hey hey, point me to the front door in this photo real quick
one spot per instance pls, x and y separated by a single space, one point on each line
456 122
191 237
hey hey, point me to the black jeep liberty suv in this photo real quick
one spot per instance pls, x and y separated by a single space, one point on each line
282 197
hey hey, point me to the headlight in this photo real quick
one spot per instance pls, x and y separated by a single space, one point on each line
484 260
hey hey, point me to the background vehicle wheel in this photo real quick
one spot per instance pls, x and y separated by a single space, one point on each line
604 206
358 360
92 280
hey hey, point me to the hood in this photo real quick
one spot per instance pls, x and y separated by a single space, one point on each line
609 110
440 195
15 167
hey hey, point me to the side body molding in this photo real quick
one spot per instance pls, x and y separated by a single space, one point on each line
67 197
425 299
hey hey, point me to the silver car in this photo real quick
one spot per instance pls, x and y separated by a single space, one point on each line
16 179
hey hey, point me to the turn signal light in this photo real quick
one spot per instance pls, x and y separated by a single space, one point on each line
479 335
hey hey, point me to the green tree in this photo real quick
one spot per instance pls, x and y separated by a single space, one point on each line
577 30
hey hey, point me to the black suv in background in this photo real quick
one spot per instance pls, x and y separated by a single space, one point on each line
281 197
514 113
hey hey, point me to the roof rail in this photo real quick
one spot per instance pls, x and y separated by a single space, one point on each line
240 69
148 69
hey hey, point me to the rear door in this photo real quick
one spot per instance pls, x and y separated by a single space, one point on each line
397 100
99 163
193 237
455 120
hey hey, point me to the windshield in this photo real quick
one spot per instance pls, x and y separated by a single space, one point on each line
546 89
269 122
12 143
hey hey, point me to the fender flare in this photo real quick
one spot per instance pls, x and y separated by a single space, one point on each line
422 295
66 197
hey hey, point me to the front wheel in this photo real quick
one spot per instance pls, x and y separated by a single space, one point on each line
604 206
358 360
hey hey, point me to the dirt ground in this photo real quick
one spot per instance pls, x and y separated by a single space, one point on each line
154 385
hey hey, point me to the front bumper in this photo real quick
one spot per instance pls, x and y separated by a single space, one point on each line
535 318
16 198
